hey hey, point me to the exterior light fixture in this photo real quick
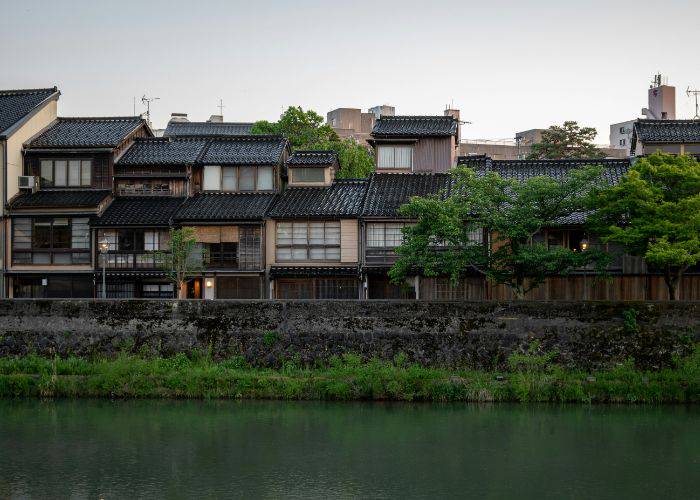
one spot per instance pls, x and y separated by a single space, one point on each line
104 246
583 245
209 283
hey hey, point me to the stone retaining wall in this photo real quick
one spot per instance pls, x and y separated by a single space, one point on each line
269 333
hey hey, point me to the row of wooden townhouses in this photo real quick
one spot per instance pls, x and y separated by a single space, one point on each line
270 223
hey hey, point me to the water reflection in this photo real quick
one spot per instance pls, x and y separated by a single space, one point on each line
223 449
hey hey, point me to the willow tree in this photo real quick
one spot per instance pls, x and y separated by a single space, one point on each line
510 213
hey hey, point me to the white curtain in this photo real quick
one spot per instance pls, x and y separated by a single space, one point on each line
212 178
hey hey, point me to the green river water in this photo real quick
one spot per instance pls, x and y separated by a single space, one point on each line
228 449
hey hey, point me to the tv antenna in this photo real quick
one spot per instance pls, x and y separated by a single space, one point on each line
147 101
694 93
221 107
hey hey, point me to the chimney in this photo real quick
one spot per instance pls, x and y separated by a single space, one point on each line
216 119
454 113
178 117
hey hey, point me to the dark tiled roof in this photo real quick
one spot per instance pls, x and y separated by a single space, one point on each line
473 161
313 158
106 132
414 126
613 170
140 211
225 206
163 151
522 170
207 128
311 271
669 131
247 150
16 104
388 192
343 198
67 198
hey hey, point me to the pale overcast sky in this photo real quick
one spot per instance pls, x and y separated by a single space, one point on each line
508 65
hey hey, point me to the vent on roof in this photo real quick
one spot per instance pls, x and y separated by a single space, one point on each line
178 117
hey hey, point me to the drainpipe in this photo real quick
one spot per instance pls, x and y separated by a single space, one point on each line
3 292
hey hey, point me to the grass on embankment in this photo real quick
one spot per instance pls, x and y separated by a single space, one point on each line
531 379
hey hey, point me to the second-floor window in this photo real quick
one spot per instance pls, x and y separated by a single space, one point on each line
398 157
385 235
147 187
49 240
233 179
66 173
302 241
305 174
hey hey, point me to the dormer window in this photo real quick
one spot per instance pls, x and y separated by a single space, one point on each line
238 179
308 174
395 157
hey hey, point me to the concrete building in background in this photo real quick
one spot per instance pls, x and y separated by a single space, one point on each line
661 99
503 149
354 123
621 135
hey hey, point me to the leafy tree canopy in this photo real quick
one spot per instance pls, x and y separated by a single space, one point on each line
654 212
566 141
306 130
510 213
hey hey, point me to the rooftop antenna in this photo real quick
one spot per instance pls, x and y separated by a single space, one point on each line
694 93
221 107
147 101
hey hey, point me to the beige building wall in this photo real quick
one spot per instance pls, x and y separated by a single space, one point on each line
42 119
270 238
349 234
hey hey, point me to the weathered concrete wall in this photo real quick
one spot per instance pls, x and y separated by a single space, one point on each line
268 333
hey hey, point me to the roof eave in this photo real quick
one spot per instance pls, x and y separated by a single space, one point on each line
15 126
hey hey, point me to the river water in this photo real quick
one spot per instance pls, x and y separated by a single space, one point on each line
228 449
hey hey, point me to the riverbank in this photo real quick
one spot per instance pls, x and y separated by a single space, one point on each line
531 378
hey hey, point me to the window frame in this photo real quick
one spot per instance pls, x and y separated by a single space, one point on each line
298 170
237 177
78 230
384 148
384 225
307 247
81 173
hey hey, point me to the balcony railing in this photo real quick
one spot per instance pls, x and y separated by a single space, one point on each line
380 255
130 260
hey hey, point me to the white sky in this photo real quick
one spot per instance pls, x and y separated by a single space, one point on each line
507 65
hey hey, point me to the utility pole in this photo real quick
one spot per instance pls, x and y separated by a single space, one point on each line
221 107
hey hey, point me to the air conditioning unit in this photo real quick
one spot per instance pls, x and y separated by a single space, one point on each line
26 182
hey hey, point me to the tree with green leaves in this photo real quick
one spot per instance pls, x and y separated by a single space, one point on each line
654 212
306 130
567 141
181 259
511 213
